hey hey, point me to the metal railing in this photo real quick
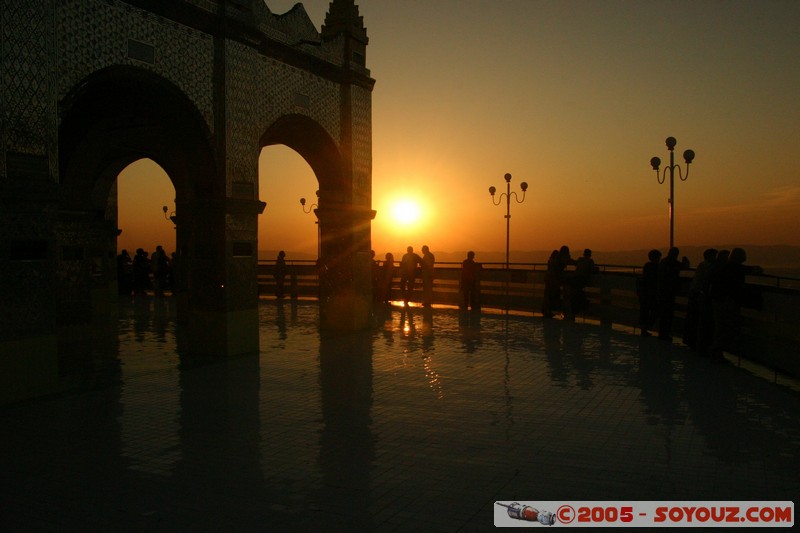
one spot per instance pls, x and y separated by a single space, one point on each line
769 335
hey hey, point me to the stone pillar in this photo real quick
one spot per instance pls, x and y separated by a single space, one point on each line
86 293
242 274
345 269
220 305
28 330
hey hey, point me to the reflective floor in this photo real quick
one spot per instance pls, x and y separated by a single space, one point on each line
423 423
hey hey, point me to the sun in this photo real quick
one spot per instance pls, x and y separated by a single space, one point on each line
406 212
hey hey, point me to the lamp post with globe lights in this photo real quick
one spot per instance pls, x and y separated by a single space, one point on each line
508 194
655 162
172 217
311 208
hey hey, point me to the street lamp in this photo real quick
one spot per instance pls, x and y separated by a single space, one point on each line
171 217
508 194
655 162
311 208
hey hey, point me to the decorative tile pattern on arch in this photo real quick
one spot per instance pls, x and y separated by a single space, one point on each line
362 142
49 48
260 90
27 120
93 35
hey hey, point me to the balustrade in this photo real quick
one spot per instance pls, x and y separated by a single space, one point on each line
769 335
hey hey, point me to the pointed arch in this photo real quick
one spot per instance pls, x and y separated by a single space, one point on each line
120 114
309 139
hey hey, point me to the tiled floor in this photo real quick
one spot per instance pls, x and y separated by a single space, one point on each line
421 424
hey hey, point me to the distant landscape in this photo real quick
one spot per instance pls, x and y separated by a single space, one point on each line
775 260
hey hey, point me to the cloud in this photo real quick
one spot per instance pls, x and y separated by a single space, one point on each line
788 195
779 200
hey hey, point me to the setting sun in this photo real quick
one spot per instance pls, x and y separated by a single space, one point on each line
403 217
406 212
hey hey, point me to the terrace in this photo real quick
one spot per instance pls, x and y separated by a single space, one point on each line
770 336
422 422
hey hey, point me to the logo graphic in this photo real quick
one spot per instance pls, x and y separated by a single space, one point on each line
528 513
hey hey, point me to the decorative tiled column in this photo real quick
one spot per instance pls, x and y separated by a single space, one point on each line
345 267
218 300
28 201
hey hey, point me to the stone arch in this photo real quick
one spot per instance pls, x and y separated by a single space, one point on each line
110 119
309 139
345 288
120 114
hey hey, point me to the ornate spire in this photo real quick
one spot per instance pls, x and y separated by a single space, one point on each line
343 18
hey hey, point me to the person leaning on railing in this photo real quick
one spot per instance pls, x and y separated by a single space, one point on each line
647 291
280 274
469 285
577 282
698 324
408 273
728 294
669 282
387 278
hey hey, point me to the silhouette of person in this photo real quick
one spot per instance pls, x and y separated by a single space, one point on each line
584 268
408 273
669 283
124 273
280 274
728 294
469 285
647 291
387 277
550 300
698 318
427 263
554 279
565 258
141 272
160 266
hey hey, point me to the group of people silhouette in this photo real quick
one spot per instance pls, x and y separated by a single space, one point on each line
564 290
384 274
144 272
413 266
717 293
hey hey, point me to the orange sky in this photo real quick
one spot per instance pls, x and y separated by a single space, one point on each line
573 97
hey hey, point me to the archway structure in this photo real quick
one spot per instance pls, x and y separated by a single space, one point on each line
199 87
